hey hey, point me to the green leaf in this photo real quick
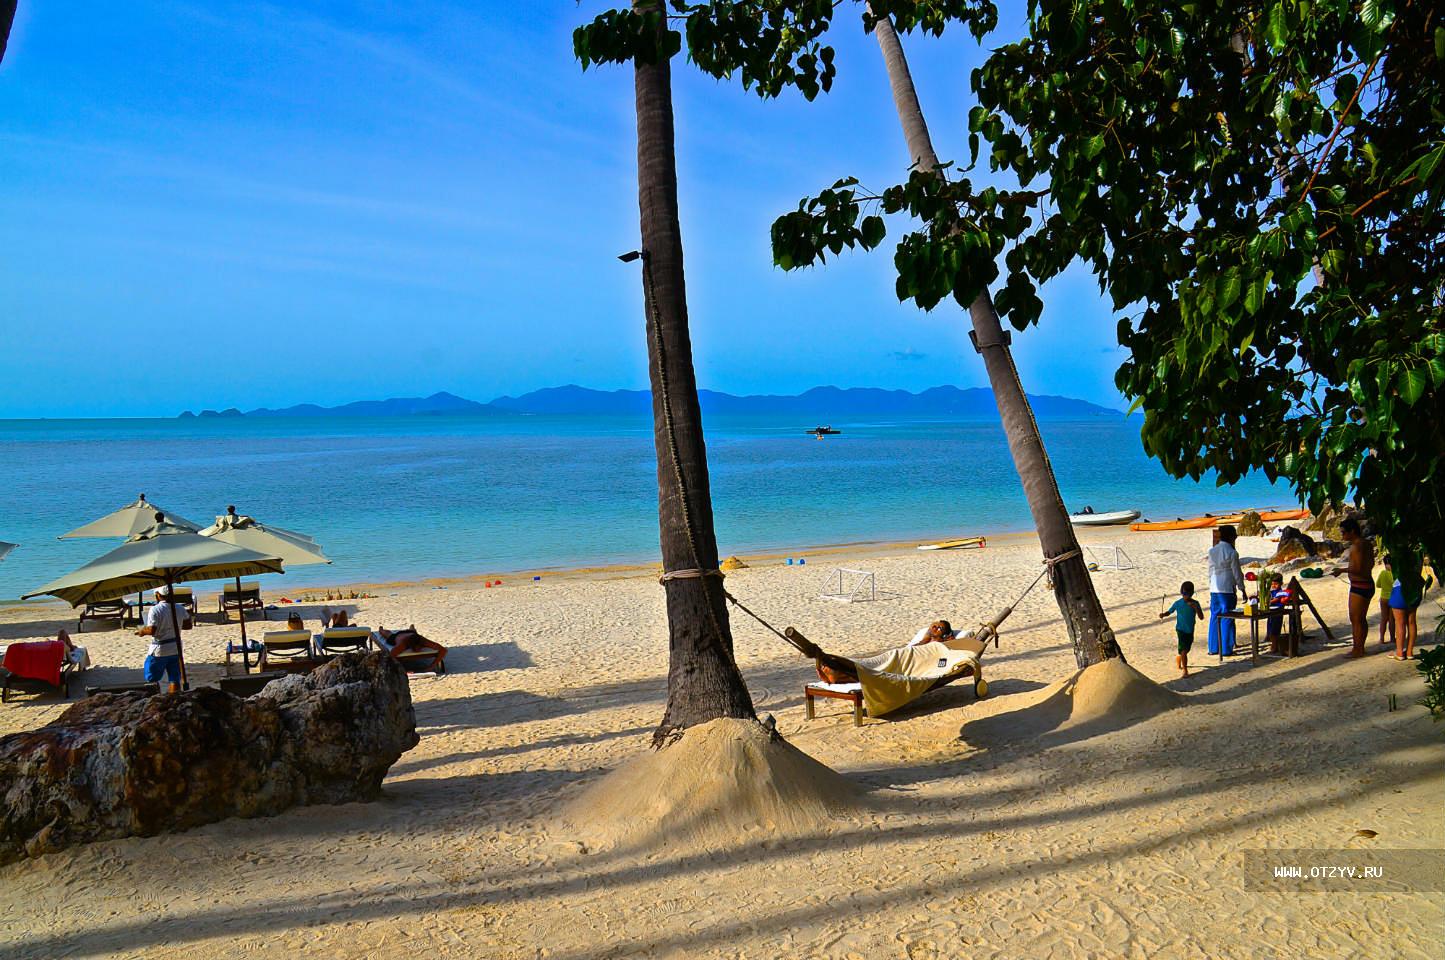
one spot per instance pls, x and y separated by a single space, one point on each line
1094 146
873 231
1411 384
1436 366
1277 30
1254 293
1228 291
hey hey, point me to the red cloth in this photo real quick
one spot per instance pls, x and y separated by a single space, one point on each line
37 660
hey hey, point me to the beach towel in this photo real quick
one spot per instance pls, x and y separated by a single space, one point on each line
38 660
897 677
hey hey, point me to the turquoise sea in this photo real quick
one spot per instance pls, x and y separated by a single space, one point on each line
410 497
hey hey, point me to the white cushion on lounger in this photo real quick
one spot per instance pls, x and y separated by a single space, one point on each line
854 687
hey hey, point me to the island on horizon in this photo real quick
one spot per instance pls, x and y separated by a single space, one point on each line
574 400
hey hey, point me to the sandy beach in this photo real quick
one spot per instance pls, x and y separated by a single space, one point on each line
991 832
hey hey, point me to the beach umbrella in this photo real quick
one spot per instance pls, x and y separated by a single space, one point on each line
5 549
294 549
163 555
128 521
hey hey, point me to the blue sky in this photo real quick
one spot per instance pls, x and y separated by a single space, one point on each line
214 203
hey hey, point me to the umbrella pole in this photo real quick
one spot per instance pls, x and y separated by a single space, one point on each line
176 626
245 647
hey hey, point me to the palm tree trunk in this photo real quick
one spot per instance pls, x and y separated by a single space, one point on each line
7 17
1083 615
703 681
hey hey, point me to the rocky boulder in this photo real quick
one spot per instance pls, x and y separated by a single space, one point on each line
1250 525
119 765
1293 545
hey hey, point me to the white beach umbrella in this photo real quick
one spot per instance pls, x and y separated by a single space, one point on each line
163 555
128 521
294 549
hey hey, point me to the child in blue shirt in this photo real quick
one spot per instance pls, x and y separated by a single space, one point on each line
1186 610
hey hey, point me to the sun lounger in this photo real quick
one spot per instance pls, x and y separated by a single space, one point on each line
246 597
185 597
108 610
146 688
284 645
249 685
338 640
412 661
40 663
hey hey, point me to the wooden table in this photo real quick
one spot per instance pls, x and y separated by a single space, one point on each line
1294 628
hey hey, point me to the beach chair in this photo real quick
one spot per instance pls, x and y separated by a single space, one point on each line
146 688
249 685
106 610
338 640
185 597
284 645
37 663
246 596
412 661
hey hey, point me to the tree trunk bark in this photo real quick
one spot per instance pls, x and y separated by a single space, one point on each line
1088 626
703 680
7 17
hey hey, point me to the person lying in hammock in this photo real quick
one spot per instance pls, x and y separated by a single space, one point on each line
836 669
401 642
936 632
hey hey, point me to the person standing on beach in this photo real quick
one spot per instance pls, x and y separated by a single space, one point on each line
1226 582
1385 582
163 658
1362 584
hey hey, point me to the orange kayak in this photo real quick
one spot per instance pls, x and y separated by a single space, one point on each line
1196 523
1275 516
1208 520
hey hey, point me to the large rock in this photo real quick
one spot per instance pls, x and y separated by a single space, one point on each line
1250 525
1293 545
118 765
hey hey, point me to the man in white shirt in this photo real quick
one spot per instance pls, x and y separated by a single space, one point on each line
1226 579
163 658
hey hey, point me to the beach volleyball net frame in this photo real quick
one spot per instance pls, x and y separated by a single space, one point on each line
1109 557
847 585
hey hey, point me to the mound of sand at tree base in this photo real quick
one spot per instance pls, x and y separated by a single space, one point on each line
723 782
1102 697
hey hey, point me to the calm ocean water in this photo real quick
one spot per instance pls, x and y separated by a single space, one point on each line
404 498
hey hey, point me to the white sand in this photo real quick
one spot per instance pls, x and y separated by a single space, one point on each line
997 833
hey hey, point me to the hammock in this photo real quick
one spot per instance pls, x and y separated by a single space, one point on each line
899 676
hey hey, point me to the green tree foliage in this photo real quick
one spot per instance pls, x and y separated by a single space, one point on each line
1256 184
1259 184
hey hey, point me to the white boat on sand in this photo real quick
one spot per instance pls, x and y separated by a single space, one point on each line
1088 518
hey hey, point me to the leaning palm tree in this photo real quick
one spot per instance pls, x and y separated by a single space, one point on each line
1084 616
703 680
7 17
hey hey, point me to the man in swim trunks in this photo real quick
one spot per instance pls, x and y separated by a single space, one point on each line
1360 567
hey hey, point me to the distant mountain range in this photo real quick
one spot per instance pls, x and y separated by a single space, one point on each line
821 402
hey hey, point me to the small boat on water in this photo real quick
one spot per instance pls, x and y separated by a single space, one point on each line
954 544
821 432
1214 520
1088 518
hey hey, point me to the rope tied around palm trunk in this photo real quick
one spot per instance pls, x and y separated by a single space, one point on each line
696 571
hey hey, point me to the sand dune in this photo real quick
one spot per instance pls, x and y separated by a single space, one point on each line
1061 817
